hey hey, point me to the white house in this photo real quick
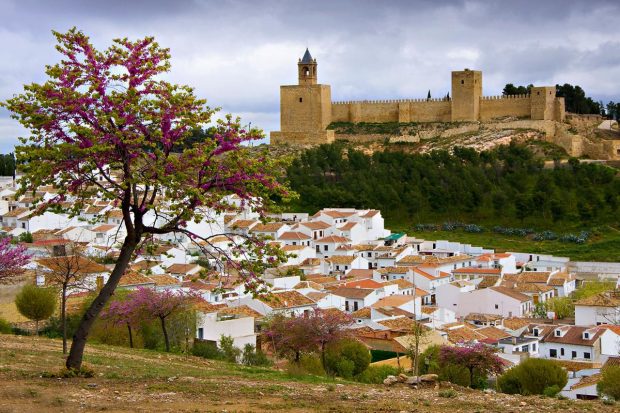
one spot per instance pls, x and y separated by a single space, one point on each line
603 308
493 300
211 326
326 246
356 298
573 343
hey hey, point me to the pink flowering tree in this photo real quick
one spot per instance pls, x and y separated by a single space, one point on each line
147 303
122 312
12 260
475 357
292 336
105 125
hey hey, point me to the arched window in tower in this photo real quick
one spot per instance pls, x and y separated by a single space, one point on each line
306 71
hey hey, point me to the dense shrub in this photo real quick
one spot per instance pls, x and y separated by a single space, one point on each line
455 374
533 376
552 391
36 303
609 385
229 351
311 363
206 349
376 374
5 327
253 357
346 358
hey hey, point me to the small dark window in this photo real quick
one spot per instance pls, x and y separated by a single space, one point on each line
462 82
562 351
496 306
538 93
553 353
301 100
586 356
574 354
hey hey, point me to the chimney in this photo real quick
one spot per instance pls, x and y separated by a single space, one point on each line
514 340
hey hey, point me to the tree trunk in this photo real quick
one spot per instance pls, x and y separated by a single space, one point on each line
36 328
74 360
63 317
130 335
163 328
323 356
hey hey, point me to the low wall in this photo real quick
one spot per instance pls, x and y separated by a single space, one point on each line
404 111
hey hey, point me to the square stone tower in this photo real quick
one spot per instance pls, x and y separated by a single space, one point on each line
305 108
543 102
466 94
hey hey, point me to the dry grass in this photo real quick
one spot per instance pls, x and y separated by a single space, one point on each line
145 381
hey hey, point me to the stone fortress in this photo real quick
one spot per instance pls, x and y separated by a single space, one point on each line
306 109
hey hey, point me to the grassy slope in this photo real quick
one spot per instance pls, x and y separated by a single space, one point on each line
605 246
139 380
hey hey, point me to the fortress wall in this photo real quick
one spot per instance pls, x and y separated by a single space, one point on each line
430 111
379 111
499 106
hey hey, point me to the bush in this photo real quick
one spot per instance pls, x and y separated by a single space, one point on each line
346 358
229 351
609 385
551 391
376 374
206 350
253 357
311 364
5 327
36 303
448 393
456 374
509 382
533 377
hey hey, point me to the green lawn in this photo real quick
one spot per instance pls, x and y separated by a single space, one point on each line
603 245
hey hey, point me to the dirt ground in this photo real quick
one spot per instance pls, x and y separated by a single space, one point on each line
142 381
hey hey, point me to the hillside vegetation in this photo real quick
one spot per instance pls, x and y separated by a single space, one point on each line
508 186
128 380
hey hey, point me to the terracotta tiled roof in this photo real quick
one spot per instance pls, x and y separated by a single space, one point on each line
398 324
463 334
308 284
574 335
164 279
488 281
286 299
75 264
181 268
269 227
293 236
516 323
316 296
348 226
492 333
104 228
355 293
607 299
337 214
315 225
207 307
134 278
511 293
242 310
334 239
371 213
364 284
587 381
532 288
394 312
243 223
402 284
15 213
359 274
485 318
341 259
395 300
361 313
474 270
364 247
534 277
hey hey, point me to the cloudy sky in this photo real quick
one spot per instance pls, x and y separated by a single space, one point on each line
236 53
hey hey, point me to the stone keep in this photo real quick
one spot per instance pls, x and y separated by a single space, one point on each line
306 109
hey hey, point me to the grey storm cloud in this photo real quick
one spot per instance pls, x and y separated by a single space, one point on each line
237 53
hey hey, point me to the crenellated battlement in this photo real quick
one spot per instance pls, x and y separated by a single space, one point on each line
498 97
352 102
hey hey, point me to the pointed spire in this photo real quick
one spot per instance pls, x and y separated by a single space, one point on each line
307 57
